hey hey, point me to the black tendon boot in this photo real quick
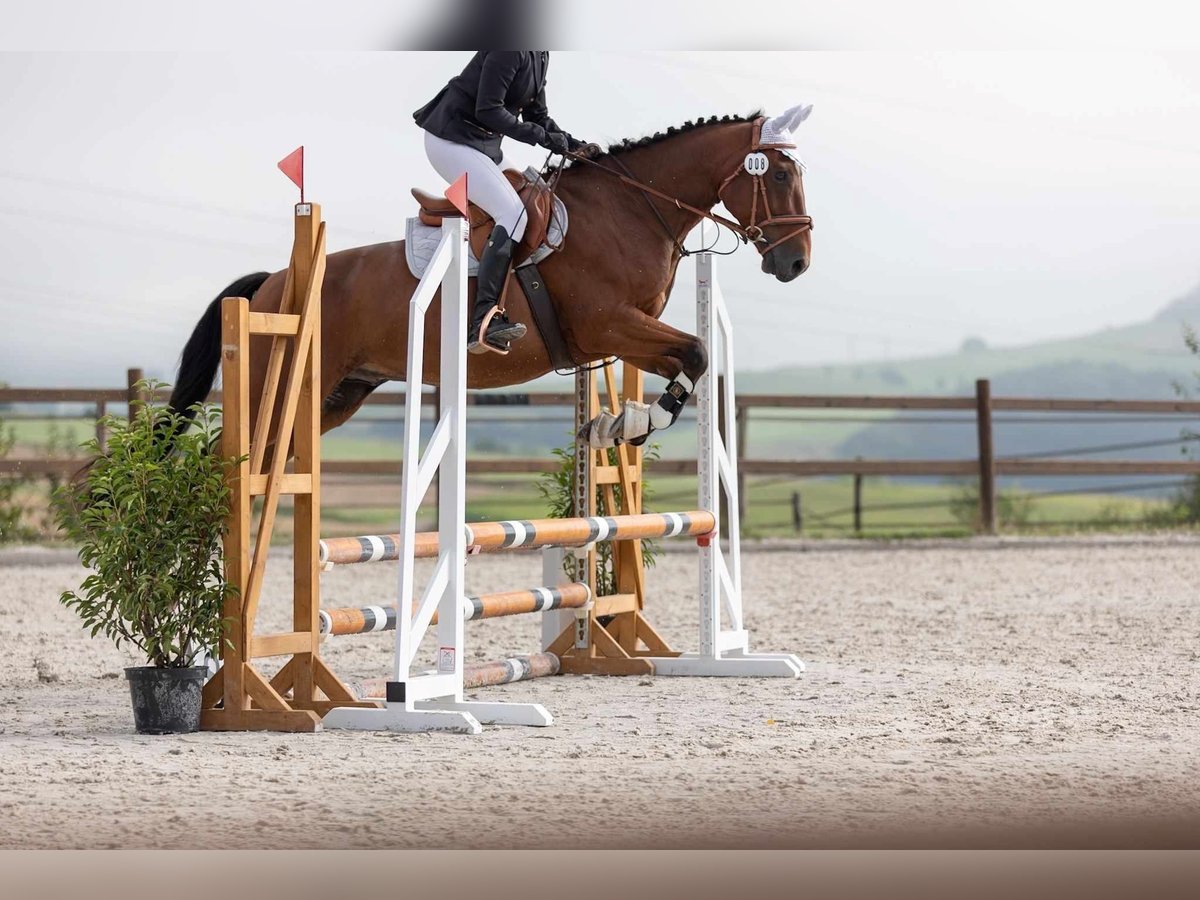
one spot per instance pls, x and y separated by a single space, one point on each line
493 272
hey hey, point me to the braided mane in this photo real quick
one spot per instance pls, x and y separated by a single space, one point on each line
630 144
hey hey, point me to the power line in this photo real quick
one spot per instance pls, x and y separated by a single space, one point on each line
159 200
102 226
82 307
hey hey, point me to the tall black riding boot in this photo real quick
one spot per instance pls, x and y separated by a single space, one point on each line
493 272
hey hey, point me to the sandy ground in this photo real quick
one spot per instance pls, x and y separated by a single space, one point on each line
1011 693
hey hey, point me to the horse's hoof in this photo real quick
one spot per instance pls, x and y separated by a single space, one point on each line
589 436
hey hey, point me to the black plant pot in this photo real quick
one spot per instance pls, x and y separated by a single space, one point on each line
166 701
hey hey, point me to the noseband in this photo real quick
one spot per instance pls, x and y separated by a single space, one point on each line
752 233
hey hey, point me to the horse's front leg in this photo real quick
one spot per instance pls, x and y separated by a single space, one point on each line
652 346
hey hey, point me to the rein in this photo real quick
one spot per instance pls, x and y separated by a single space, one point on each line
752 233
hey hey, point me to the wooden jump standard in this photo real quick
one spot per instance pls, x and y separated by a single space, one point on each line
239 697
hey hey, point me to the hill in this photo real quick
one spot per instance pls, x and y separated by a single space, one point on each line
1145 360
1140 360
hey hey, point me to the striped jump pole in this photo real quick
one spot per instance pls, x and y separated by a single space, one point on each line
477 675
491 537
489 606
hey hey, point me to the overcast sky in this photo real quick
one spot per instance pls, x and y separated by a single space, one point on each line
1012 196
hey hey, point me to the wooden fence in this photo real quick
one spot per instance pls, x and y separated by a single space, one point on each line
986 466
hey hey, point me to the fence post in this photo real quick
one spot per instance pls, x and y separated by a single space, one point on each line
134 396
987 459
797 513
101 431
858 485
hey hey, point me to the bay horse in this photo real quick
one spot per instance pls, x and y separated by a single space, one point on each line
630 210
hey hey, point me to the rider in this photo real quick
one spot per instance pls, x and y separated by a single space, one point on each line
464 125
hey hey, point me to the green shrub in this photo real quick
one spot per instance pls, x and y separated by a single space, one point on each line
557 488
149 523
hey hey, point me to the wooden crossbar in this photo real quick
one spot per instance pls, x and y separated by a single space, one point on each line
477 675
367 619
524 534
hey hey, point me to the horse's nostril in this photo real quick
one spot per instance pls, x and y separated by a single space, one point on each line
799 265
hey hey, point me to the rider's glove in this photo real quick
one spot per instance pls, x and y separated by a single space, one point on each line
557 142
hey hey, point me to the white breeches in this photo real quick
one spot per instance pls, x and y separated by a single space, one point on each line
487 187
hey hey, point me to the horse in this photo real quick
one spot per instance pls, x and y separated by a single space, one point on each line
630 209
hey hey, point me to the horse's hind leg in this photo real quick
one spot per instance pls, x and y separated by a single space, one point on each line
345 399
339 404
652 346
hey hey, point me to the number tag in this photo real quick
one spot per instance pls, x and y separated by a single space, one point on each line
757 163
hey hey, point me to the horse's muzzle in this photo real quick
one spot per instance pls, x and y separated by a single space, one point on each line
785 266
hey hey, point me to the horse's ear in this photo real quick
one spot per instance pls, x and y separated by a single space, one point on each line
779 129
795 116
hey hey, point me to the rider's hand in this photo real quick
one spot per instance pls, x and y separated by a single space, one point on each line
556 142
583 148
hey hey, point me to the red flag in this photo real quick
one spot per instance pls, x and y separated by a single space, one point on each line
457 194
292 166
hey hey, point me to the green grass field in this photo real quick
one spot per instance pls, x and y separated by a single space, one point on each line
63 436
892 507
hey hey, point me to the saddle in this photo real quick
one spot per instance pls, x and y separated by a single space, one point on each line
538 200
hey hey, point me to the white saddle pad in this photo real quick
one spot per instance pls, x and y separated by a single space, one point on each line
421 240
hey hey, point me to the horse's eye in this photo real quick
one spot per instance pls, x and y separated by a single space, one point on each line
781 176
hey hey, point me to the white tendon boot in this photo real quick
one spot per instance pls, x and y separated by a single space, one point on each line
608 430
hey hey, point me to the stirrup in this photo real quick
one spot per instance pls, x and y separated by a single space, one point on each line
480 344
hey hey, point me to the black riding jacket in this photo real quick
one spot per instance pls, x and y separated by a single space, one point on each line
481 106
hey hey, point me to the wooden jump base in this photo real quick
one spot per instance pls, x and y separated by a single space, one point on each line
489 674
526 534
489 606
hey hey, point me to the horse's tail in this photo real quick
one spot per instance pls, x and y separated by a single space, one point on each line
202 353
197 370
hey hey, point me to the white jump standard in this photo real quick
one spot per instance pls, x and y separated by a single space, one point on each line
419 700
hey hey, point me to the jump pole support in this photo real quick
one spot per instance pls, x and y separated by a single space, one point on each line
419 700
724 649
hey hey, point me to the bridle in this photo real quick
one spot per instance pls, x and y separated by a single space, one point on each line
752 233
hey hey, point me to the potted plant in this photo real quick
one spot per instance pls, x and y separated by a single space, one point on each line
148 517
